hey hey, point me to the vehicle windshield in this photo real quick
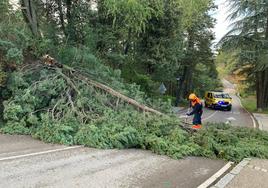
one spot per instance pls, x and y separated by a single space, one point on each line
222 96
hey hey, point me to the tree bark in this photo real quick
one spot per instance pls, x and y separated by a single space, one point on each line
265 90
259 90
61 15
127 45
262 80
70 26
29 13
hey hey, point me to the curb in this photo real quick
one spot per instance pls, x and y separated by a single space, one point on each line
260 125
231 175
217 175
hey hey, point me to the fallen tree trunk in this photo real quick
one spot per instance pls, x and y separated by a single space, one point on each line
123 97
111 91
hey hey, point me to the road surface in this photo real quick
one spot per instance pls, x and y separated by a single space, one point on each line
238 116
25 162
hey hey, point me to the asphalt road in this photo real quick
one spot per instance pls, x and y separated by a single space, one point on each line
25 162
238 116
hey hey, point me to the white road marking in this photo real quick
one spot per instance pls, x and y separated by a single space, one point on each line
258 168
236 113
218 174
264 170
204 119
38 153
231 119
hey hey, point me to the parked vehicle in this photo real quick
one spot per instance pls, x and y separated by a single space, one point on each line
218 100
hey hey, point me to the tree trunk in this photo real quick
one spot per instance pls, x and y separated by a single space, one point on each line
262 89
265 76
29 13
265 90
190 64
61 15
1 107
70 26
127 45
259 90
188 81
262 81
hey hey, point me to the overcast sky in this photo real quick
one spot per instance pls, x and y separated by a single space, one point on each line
222 24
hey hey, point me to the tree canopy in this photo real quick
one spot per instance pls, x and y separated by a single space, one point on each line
249 38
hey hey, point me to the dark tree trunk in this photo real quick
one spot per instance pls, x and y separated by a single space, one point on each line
179 88
262 81
1 106
265 90
127 45
265 76
259 90
70 26
190 64
29 14
188 81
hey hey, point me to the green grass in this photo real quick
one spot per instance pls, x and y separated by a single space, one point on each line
250 103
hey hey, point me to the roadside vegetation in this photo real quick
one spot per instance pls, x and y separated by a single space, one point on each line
102 57
249 102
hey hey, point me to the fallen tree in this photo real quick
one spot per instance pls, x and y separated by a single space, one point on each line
65 105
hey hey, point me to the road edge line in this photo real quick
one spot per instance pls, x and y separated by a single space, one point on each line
214 177
224 181
38 153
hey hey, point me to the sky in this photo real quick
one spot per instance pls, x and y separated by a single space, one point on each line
221 27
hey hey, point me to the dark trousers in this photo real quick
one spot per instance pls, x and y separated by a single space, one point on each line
197 118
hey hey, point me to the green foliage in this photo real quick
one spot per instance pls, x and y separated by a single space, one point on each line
205 79
108 135
14 55
53 131
232 143
15 128
45 105
133 14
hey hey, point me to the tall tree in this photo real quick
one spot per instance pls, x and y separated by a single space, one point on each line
250 36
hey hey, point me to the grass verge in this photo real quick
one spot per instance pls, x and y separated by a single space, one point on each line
250 103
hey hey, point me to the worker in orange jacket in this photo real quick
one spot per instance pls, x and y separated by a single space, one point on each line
197 111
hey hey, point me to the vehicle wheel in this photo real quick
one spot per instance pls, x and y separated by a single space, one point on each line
229 109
